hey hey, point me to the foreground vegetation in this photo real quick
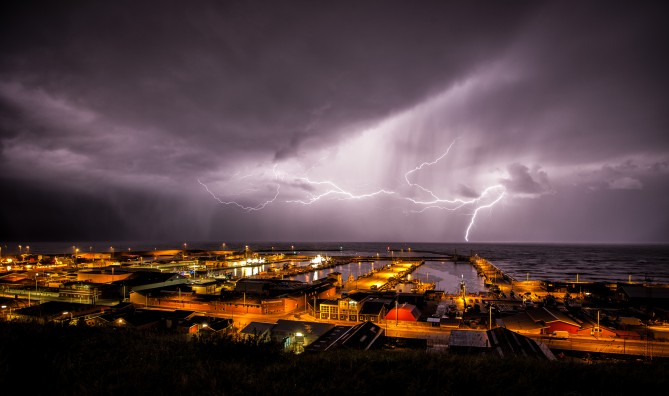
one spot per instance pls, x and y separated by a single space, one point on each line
52 360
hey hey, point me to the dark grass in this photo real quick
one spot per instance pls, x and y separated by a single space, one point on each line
52 360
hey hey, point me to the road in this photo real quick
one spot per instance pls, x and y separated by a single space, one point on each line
608 345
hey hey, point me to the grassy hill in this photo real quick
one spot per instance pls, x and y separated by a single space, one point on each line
51 360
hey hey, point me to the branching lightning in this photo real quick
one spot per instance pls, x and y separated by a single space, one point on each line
487 199
419 167
438 203
336 190
489 205
244 207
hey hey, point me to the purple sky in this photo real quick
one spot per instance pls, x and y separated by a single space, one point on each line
332 121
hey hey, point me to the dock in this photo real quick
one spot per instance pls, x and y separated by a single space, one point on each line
384 278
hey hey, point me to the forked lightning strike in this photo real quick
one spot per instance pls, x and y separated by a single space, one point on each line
490 205
435 202
335 191
419 167
243 207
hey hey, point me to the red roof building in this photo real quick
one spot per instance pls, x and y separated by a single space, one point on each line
406 312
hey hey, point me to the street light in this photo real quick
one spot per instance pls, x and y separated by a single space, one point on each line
397 313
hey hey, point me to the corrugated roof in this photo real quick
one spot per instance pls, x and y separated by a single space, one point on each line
468 339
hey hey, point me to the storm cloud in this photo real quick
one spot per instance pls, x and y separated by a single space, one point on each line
133 119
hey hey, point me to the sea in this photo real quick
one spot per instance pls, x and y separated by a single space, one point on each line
647 263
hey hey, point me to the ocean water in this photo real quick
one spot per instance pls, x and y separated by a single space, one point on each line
556 262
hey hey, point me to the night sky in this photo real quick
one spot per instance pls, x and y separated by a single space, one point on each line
498 121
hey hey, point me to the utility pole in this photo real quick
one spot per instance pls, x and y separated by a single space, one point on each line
490 316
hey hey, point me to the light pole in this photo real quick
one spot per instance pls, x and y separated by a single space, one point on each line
490 316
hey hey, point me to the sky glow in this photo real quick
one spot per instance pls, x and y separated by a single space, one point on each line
364 121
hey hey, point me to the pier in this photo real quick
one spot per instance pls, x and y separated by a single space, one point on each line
384 278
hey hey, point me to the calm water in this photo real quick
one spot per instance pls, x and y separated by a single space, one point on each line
613 263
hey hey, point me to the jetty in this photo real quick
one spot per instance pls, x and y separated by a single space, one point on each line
384 278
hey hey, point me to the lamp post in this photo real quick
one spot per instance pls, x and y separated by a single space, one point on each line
490 316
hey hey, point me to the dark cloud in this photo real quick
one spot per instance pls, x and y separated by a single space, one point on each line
523 180
467 191
124 106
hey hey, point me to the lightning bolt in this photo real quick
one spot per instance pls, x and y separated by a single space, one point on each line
490 205
421 166
435 202
336 190
243 207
